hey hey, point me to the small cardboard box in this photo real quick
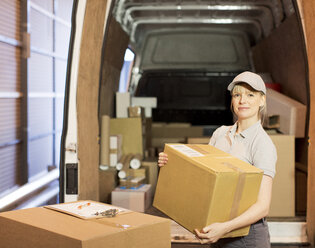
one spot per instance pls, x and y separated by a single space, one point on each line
201 185
43 227
138 199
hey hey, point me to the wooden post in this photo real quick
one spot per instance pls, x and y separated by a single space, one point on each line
87 98
308 8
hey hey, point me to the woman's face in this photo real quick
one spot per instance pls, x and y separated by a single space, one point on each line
246 102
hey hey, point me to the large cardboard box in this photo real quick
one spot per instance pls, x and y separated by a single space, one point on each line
134 199
201 185
283 188
42 227
131 131
292 113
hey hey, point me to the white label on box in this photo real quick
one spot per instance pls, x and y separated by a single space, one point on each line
187 150
84 209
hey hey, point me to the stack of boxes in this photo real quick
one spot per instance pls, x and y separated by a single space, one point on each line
129 140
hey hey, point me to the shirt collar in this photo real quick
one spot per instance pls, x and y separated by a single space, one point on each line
246 132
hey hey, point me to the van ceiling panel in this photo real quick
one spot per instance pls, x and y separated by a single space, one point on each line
138 17
209 50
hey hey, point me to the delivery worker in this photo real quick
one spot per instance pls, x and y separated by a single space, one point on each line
248 141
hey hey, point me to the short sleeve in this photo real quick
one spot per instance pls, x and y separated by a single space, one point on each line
265 156
215 135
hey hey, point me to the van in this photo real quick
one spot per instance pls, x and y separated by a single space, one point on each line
186 53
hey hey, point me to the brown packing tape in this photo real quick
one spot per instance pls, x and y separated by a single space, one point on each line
106 221
239 189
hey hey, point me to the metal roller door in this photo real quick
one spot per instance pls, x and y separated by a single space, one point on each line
10 95
34 41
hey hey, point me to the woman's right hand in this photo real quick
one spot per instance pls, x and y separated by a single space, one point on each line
163 158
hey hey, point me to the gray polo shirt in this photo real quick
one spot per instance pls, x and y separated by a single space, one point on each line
253 146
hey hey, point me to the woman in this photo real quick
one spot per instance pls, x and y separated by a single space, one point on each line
248 141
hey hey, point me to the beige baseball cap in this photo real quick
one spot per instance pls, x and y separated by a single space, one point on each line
250 78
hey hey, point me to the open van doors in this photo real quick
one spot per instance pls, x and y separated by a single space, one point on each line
98 44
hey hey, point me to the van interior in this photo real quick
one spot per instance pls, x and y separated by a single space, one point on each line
187 52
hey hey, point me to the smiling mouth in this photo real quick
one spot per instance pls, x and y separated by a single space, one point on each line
243 108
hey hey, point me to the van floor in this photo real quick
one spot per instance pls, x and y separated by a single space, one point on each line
181 238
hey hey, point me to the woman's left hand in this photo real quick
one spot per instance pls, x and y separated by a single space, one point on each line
212 233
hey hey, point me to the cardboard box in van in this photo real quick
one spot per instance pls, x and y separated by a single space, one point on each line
201 185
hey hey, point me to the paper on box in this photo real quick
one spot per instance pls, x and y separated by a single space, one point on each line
201 185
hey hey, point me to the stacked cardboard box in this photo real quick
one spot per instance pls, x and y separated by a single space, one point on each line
163 133
292 113
43 227
137 199
201 185
283 188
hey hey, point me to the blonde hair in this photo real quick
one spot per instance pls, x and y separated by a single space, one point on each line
238 88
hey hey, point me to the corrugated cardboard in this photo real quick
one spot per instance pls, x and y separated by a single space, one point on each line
134 199
131 130
292 113
283 187
41 227
201 185
107 183
151 173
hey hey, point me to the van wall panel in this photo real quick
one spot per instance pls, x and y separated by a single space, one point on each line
40 116
40 155
309 15
40 73
282 55
10 18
